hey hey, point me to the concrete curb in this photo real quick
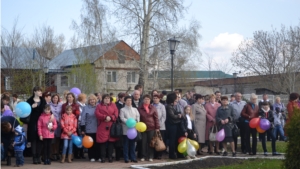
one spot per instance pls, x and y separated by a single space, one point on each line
144 166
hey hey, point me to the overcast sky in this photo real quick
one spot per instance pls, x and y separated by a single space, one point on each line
225 23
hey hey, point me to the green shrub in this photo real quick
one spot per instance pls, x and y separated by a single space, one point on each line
292 130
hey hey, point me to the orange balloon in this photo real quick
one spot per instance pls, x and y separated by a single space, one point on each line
87 141
254 123
259 129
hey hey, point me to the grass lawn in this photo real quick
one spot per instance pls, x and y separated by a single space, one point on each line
280 146
255 164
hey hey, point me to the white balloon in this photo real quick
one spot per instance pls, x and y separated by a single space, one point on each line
191 151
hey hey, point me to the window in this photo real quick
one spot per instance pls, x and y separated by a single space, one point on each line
130 77
111 76
64 81
121 56
7 83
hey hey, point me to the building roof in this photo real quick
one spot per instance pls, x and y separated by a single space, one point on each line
21 58
192 74
72 56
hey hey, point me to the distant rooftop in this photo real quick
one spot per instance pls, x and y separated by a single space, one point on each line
192 74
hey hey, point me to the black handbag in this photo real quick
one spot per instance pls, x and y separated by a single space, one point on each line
116 129
235 131
138 137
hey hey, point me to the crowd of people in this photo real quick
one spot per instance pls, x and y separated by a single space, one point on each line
46 134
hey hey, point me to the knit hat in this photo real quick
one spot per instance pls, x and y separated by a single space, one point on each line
19 129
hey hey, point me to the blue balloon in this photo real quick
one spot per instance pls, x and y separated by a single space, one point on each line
23 109
130 123
76 140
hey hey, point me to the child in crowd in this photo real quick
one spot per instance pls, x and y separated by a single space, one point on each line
279 120
188 126
69 126
19 145
46 127
265 112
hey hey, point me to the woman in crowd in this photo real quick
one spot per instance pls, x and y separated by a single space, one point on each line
106 113
37 103
293 104
278 104
47 97
224 120
5 100
89 126
71 101
199 114
128 145
173 124
56 106
119 144
211 109
161 111
64 97
249 112
148 115
81 100
153 92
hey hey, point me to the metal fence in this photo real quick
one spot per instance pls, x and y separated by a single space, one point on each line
284 98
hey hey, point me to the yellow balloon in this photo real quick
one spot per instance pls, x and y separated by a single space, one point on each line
114 99
140 127
195 144
21 123
182 147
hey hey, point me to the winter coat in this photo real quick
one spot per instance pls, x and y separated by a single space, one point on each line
237 108
6 137
199 113
103 129
290 108
32 130
20 141
43 123
75 109
150 119
184 125
88 119
133 103
68 124
280 105
249 113
224 113
161 111
172 115
211 112
126 113
56 111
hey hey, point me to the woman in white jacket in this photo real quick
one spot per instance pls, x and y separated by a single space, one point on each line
128 145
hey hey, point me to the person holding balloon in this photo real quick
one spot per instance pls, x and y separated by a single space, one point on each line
89 126
69 127
37 103
265 113
149 116
250 112
46 127
224 119
128 112
106 113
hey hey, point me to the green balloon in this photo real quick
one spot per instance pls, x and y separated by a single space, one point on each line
130 123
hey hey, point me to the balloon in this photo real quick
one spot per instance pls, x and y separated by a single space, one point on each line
185 153
220 135
131 133
18 119
87 141
181 139
23 109
195 144
182 147
254 123
8 113
260 130
114 99
141 127
191 151
130 123
264 124
75 91
76 140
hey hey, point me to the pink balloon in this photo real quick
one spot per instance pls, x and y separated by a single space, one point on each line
220 135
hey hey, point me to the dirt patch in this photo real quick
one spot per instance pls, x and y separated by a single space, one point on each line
206 163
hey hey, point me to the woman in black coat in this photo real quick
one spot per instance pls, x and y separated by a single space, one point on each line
37 103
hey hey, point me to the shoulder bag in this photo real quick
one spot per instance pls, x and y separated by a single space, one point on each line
235 131
212 134
157 142
116 129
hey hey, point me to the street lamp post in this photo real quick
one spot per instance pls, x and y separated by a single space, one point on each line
173 43
235 77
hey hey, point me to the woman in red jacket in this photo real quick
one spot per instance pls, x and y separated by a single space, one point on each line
71 101
106 113
148 115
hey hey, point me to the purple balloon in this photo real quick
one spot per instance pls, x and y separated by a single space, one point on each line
75 91
264 124
7 113
131 133
220 135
